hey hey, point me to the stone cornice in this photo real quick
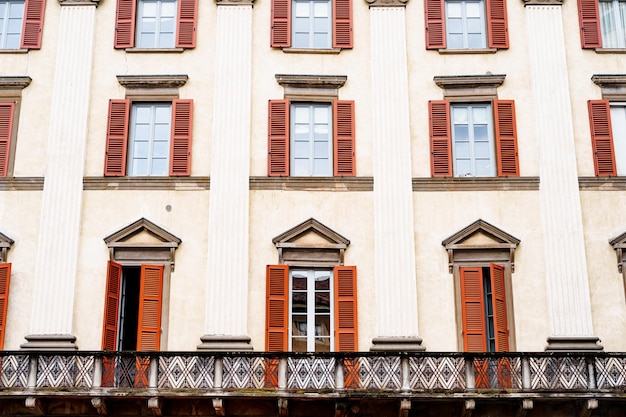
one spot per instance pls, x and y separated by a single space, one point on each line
542 2
387 3
152 81
469 81
613 86
311 81
15 83
234 2
79 2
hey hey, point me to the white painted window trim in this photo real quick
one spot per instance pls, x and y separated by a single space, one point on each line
132 139
483 19
4 23
490 136
619 25
156 40
292 160
311 27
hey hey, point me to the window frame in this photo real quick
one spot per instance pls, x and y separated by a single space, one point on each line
32 26
471 139
311 140
156 40
132 136
311 17
464 23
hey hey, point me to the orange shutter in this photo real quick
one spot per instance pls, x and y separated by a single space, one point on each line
498 296
435 17
180 147
497 24
343 116
342 24
5 278
117 138
277 308
6 130
506 138
281 24
125 24
186 25
473 310
33 24
278 138
346 334
602 138
589 18
440 138
150 299
111 306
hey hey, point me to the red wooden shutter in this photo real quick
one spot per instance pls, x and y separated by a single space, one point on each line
150 299
125 24
6 131
343 116
277 308
117 138
589 18
473 310
435 17
33 24
342 24
602 138
281 24
498 296
278 138
5 278
187 22
346 333
180 147
111 306
506 138
440 138
497 30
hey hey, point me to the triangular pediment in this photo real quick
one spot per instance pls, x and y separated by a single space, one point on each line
481 234
142 232
311 233
5 241
619 241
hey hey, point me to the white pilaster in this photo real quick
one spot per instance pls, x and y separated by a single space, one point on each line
57 250
394 258
227 258
564 251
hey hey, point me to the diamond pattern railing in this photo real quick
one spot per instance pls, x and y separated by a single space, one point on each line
400 372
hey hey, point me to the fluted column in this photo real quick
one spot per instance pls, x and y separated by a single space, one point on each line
227 258
57 249
394 247
564 249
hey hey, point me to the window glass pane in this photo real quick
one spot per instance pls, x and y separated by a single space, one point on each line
168 9
479 114
141 149
618 124
459 115
320 40
322 150
455 26
608 24
481 150
481 133
454 9
159 167
461 133
161 149
302 9
139 167
148 8
463 168
322 326
322 168
473 9
322 302
461 150
301 26
301 149
484 168
321 9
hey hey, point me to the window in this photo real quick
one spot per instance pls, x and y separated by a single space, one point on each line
608 137
10 100
602 23
156 24
5 281
310 312
462 137
21 23
311 139
466 24
311 24
150 129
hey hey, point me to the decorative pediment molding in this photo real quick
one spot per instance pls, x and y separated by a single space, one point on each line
291 236
152 81
613 86
387 3
15 82
619 244
5 244
311 87
470 86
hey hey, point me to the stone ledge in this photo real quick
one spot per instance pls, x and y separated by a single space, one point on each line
49 342
312 183
21 184
224 343
573 343
147 183
403 344
602 183
476 184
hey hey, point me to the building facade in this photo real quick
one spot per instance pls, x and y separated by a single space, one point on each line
303 207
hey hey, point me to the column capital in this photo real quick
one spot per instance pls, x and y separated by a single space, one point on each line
79 2
234 2
542 2
387 3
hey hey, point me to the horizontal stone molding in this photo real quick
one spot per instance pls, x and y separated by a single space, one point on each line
327 51
147 183
312 183
224 343
602 183
542 2
467 51
21 184
613 86
15 82
476 184
573 343
234 2
152 81
469 86
79 2
311 81
387 3
155 50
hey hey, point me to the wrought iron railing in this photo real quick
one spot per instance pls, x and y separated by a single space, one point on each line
271 372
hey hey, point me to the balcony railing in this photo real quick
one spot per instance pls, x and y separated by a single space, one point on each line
269 373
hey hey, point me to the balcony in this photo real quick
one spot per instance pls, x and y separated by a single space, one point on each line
280 382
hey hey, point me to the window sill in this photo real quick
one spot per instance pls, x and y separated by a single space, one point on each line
476 184
602 183
21 184
467 51
611 50
329 51
155 50
312 183
147 183
14 51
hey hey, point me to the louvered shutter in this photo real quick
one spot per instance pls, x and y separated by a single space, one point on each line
435 17
440 138
281 24
498 296
346 333
111 306
187 23
32 28
473 310
342 24
150 299
5 280
180 147
6 131
117 138
277 308
506 138
497 29
278 138
125 24
589 19
602 138
343 117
